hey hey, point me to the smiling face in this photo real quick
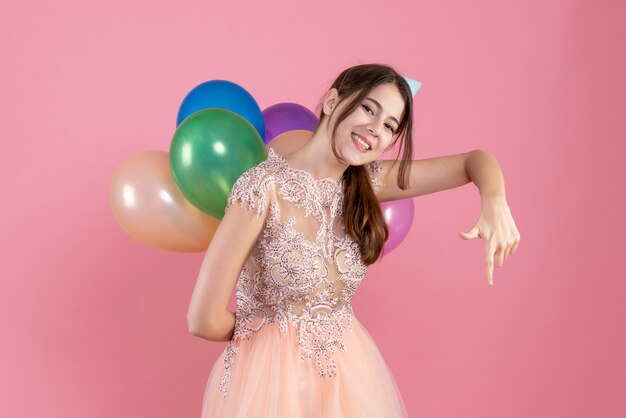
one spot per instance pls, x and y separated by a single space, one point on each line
371 128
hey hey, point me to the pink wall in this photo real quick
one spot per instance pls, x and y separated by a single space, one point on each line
93 323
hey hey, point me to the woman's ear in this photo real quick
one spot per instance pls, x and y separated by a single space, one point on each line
330 101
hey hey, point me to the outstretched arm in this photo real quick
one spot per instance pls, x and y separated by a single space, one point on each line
495 225
428 175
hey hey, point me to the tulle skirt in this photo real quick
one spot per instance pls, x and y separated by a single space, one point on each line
269 380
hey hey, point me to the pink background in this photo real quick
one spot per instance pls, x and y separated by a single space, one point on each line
92 323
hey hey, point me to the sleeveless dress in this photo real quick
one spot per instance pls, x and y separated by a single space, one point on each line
297 348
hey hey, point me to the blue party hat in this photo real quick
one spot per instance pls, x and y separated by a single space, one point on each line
414 84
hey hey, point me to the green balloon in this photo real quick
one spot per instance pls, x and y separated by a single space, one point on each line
210 149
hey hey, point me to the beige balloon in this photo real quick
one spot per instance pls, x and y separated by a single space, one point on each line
150 207
289 141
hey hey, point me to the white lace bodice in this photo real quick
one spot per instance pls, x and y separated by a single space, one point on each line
303 268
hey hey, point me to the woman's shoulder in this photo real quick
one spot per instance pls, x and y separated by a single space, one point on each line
263 172
251 188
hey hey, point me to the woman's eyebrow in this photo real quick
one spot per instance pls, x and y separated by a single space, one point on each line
381 108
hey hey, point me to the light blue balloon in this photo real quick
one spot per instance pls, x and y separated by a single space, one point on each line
223 94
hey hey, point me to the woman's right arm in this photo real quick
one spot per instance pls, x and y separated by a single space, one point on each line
208 315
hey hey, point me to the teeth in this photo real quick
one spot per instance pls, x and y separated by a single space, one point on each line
360 141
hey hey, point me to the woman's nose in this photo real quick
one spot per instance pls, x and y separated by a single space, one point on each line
374 128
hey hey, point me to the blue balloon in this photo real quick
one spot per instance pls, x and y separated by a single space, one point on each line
223 94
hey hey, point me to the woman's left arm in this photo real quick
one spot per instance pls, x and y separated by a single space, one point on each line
495 225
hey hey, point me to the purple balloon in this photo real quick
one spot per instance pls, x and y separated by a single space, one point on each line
399 217
283 117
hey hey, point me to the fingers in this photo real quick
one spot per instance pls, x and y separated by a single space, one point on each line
517 240
471 234
500 256
508 251
497 254
490 250
500 237
510 248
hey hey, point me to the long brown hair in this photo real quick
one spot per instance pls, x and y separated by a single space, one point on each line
362 217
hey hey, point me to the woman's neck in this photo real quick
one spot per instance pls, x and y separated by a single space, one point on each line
317 158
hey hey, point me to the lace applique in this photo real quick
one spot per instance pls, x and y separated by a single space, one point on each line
250 190
303 269
321 331
375 168
231 350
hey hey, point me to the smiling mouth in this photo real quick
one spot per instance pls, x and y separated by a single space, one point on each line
362 143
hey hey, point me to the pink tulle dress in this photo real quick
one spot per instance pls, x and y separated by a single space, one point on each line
298 351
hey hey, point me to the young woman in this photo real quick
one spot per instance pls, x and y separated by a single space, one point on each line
295 242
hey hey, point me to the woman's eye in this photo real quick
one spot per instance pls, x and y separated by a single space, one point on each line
369 110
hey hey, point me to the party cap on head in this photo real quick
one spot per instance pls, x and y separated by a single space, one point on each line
414 84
